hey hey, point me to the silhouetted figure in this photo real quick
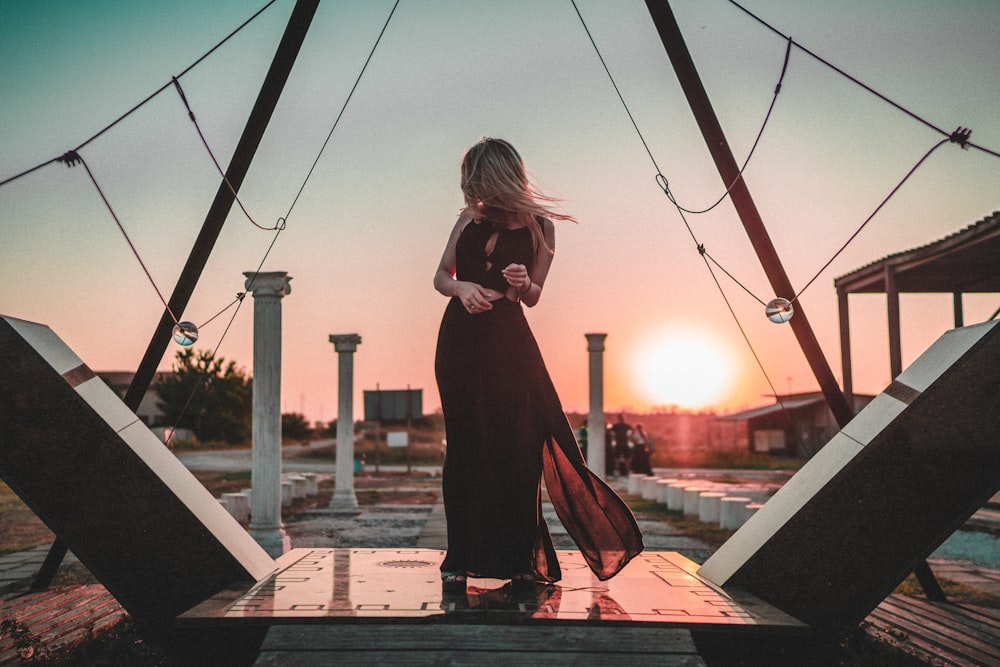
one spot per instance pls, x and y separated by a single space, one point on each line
641 449
621 431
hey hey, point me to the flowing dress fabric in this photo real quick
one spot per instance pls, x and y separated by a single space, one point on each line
505 429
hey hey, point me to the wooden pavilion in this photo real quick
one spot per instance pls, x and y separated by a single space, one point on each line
967 261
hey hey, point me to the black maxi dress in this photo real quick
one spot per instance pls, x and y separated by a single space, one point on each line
505 430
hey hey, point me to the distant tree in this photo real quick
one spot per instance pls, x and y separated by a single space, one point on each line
295 427
211 397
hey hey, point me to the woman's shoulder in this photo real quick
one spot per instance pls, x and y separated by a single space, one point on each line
464 218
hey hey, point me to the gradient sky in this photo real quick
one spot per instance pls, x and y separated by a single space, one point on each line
364 240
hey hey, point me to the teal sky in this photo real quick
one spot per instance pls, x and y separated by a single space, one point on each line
364 239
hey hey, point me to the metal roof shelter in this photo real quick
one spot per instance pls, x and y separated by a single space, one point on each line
963 262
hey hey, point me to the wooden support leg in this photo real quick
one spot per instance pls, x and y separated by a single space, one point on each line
57 552
932 589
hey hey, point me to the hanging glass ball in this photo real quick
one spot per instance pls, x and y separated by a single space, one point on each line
779 310
185 333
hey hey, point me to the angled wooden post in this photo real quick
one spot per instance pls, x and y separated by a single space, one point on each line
729 170
260 116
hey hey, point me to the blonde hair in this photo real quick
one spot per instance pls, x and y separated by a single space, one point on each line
494 177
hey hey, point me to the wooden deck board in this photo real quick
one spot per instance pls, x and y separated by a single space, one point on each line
60 616
476 645
938 633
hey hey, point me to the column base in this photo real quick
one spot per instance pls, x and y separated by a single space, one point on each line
344 500
274 541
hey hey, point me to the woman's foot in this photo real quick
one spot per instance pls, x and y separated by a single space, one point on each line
453 583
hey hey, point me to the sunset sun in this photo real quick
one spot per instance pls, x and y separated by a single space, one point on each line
685 369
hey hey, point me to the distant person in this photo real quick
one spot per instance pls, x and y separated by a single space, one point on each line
621 431
581 437
609 451
504 423
641 449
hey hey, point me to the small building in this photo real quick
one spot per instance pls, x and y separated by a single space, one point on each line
965 262
794 425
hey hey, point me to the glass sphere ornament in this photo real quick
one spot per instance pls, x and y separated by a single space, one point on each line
779 310
185 333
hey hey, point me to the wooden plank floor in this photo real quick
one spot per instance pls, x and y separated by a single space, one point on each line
308 645
60 616
938 633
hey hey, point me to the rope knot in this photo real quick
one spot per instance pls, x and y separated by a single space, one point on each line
661 180
701 248
70 158
961 137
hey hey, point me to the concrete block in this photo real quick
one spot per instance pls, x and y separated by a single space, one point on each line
299 486
635 484
732 512
710 506
649 487
312 483
692 498
238 505
675 496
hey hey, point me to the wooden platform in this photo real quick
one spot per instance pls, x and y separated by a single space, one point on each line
308 645
60 616
403 586
938 633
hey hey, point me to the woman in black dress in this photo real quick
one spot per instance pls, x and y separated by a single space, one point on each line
504 424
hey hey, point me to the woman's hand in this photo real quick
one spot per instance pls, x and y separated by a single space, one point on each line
473 297
517 277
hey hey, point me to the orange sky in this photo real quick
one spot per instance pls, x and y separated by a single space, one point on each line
366 235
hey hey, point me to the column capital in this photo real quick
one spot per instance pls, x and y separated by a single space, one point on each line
595 342
268 283
345 342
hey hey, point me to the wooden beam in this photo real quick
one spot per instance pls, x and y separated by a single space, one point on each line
718 146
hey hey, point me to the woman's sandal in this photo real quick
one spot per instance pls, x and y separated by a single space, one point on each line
453 583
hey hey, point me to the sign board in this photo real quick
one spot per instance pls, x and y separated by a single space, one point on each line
393 404
397 438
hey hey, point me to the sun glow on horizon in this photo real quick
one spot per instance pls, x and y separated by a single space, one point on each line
687 369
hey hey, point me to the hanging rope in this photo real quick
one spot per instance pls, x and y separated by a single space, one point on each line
965 143
218 167
341 113
739 175
282 222
73 158
706 258
147 99
869 218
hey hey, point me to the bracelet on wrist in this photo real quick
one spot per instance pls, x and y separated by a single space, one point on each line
526 289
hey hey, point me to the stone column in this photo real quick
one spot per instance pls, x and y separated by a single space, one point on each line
265 519
343 491
595 419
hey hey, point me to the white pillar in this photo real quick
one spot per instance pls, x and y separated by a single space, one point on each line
343 490
265 517
595 419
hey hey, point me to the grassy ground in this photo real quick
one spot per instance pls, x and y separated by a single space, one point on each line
20 529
